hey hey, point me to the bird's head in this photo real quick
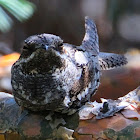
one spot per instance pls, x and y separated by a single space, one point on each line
40 43
40 52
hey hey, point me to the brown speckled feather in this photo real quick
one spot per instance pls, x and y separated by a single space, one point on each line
52 75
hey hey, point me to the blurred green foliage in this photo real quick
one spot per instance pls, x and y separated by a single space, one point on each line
20 9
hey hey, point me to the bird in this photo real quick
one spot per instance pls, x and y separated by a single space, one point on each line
51 75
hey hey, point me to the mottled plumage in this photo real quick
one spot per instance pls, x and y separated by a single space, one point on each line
52 75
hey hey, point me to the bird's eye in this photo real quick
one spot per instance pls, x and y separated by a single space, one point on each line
61 44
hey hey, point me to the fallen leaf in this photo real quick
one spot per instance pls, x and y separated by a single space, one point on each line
131 114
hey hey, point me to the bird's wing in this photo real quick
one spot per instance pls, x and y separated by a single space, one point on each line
111 60
90 42
76 56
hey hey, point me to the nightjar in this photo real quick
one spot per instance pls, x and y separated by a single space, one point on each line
56 76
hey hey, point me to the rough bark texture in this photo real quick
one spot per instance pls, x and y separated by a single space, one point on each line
17 125
32 126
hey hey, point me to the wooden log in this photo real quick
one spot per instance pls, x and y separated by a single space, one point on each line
25 125
33 126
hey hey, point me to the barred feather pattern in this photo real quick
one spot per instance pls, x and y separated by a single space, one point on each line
57 76
110 60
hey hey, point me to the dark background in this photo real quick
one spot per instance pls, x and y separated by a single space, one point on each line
118 24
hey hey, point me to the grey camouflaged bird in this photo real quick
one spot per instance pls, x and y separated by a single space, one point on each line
56 76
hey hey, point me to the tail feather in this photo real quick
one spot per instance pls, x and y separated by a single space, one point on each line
90 42
111 60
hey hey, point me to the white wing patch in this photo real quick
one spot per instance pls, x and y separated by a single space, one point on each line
80 58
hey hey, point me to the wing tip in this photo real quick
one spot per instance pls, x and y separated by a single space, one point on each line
89 21
112 62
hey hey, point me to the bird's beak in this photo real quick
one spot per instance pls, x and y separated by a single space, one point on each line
46 47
